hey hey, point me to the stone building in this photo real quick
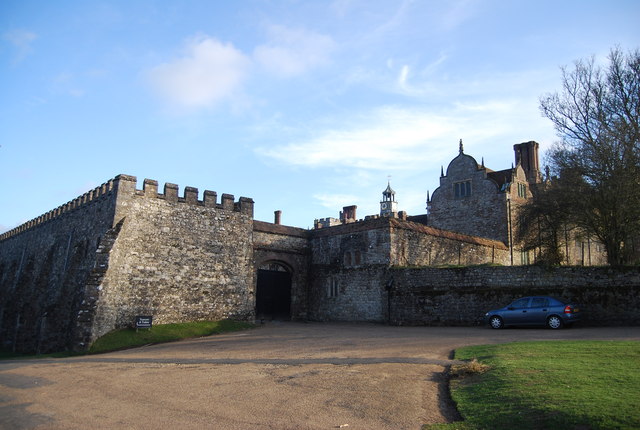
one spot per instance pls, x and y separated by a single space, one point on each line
93 264
475 200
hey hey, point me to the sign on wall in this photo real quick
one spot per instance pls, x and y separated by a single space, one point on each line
143 321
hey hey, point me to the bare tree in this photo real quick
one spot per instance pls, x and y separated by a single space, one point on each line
542 224
597 163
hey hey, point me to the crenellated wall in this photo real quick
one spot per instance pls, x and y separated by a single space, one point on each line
44 265
91 265
81 202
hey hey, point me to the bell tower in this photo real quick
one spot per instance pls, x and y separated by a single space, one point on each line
388 205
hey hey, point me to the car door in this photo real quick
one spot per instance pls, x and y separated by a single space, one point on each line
516 312
537 312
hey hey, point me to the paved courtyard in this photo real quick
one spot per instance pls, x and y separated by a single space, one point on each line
279 376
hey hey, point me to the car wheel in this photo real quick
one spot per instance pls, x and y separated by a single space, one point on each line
554 322
496 322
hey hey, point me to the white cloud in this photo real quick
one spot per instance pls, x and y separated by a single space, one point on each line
292 52
208 72
404 74
414 138
21 41
385 139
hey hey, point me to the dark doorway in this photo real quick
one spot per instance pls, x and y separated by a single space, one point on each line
273 293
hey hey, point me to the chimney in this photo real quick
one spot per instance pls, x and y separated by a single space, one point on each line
527 155
277 216
348 214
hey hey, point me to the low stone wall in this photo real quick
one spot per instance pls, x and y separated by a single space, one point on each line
461 296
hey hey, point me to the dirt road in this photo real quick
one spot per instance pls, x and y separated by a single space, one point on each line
280 376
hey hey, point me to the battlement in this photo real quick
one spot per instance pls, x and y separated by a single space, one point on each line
126 185
333 222
98 194
170 193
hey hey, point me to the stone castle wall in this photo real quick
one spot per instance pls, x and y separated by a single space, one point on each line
461 296
347 294
349 263
95 266
44 265
343 259
178 260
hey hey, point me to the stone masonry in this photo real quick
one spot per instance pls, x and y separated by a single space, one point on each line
117 252
95 263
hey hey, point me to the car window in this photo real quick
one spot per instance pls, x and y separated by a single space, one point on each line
555 302
520 303
539 302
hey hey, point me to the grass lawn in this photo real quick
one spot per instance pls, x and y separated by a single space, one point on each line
549 385
129 338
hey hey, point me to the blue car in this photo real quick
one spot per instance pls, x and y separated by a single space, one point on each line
538 310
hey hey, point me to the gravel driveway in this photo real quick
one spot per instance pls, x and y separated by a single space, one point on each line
279 376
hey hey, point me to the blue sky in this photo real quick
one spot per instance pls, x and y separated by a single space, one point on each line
304 106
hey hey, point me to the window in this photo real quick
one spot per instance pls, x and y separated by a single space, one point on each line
524 258
520 303
538 302
522 191
332 290
462 189
357 258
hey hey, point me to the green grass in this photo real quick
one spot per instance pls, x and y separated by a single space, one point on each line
128 338
550 385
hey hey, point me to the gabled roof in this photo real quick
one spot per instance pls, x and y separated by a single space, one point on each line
432 231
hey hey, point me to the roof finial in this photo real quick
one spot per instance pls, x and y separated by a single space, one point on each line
428 197
483 162
461 147
441 171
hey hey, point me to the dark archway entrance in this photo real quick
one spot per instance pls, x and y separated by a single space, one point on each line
273 292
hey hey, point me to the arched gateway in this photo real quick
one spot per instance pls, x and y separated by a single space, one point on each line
281 263
273 291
